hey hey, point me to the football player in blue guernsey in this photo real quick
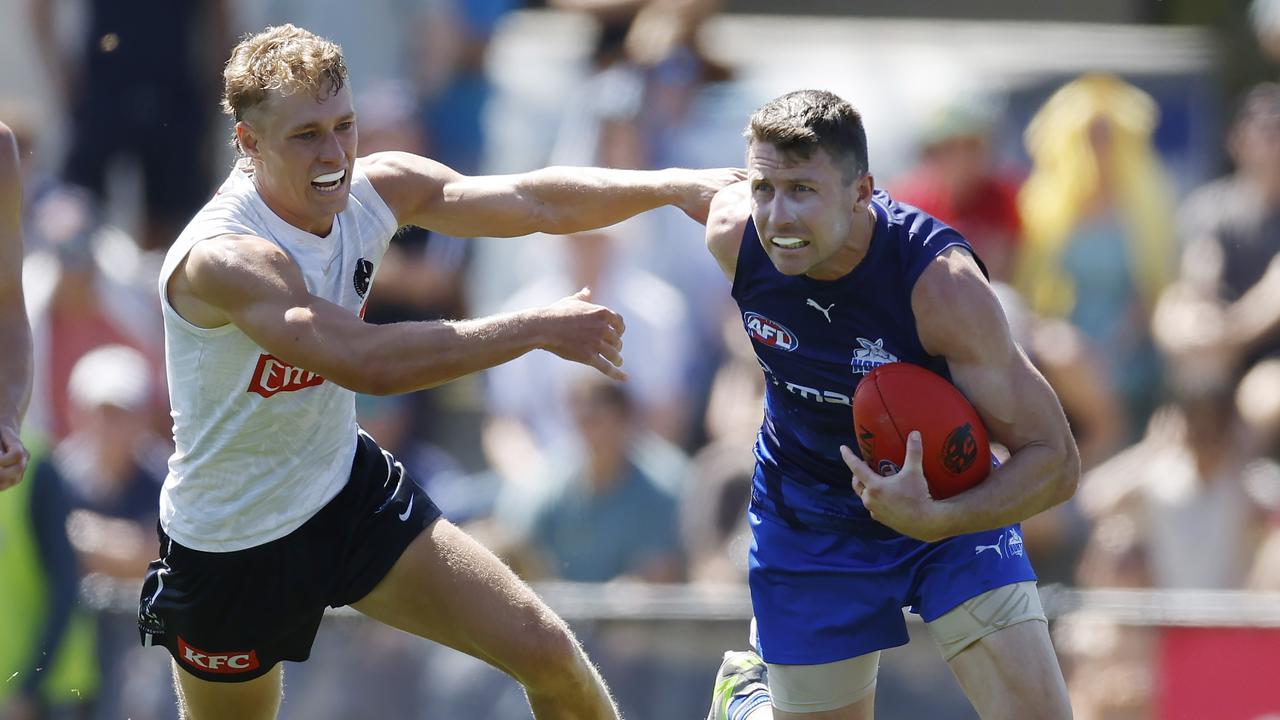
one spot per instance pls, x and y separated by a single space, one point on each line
834 278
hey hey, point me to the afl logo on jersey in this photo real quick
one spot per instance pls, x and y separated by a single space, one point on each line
769 333
364 275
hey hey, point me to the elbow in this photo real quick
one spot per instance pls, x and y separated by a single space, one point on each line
1068 475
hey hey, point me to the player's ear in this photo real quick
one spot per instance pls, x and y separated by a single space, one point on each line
863 187
247 139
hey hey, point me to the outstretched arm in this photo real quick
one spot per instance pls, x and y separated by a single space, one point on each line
252 283
558 200
959 318
15 333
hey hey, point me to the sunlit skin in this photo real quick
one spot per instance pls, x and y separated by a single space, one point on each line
807 199
294 139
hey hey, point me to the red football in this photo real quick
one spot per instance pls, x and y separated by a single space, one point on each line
895 399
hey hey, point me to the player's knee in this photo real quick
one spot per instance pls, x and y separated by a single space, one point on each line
549 659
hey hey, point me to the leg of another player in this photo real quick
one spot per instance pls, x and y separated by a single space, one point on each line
257 699
449 588
1013 673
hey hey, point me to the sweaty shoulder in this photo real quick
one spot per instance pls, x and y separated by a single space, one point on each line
957 313
220 273
727 221
405 182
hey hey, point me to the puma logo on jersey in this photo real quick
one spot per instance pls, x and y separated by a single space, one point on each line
273 375
826 311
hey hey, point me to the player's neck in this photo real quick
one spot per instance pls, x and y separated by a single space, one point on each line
320 226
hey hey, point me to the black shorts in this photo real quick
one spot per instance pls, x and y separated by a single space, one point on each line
231 616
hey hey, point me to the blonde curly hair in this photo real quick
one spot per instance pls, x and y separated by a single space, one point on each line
281 58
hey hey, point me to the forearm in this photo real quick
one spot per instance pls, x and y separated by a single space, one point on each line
15 363
577 199
1034 479
412 356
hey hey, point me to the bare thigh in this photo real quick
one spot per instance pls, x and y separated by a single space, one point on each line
257 699
1013 673
448 588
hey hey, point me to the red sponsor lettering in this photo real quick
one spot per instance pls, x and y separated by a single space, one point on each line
273 375
238 661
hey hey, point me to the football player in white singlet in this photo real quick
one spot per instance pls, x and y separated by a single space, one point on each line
262 297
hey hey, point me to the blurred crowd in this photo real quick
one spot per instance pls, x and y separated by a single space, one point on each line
1154 314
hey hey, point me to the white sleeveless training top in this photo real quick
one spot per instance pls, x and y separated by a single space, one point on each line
261 445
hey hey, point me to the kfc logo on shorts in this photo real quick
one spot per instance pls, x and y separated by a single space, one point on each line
273 375
222 663
769 333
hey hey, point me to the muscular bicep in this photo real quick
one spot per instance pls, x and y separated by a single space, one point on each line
959 318
425 193
260 290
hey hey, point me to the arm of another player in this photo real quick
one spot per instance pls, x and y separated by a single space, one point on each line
557 200
15 333
959 318
254 284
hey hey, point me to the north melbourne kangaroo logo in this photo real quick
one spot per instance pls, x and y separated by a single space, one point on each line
870 356
826 311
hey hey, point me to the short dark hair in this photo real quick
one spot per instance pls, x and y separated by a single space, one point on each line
804 120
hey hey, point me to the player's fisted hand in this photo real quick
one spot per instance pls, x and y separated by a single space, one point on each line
696 188
581 331
900 501
13 457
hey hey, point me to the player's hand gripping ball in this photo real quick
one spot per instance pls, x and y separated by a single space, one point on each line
895 399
